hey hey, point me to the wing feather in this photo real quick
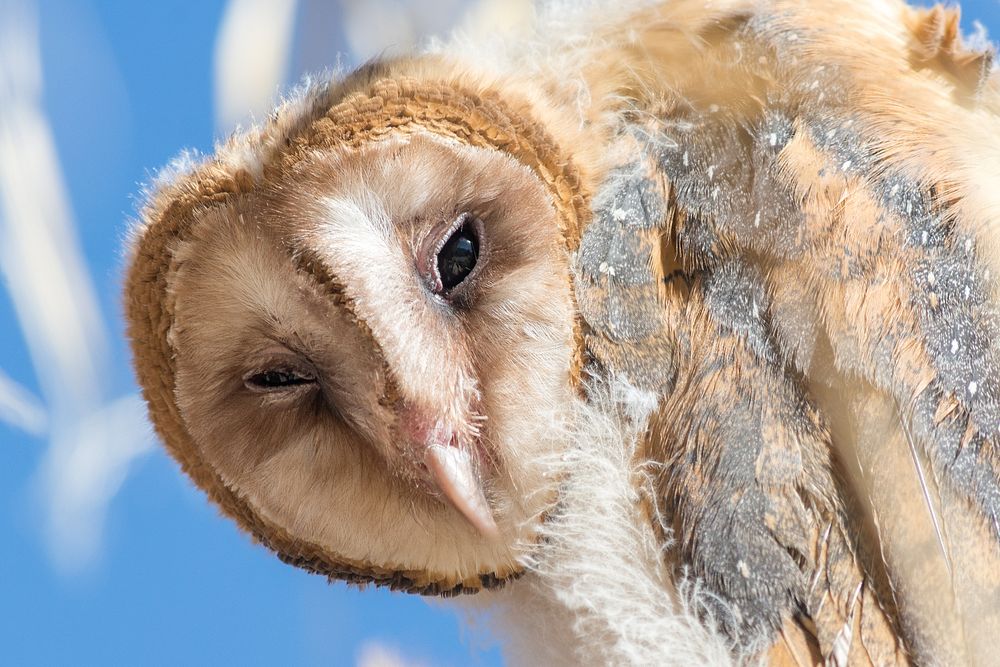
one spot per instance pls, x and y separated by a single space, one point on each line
833 402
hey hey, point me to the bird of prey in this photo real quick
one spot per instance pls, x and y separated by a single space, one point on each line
672 310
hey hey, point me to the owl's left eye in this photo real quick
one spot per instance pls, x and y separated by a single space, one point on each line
458 256
277 380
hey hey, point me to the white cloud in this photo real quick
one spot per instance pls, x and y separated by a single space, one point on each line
377 654
251 58
20 408
91 440
86 464
396 26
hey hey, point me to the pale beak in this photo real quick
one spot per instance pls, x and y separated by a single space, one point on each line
455 475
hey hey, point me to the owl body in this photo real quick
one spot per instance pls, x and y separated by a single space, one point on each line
679 320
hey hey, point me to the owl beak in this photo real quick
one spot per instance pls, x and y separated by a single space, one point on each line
455 475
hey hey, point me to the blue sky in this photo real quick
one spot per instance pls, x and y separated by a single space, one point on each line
154 575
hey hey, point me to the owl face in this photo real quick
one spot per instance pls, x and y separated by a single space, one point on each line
374 353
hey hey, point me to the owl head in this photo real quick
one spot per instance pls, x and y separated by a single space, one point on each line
354 326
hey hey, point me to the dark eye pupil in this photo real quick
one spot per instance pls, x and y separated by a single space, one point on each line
458 257
276 379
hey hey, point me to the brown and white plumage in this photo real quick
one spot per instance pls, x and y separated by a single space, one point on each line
760 237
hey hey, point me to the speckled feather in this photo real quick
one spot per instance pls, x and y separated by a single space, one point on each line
821 271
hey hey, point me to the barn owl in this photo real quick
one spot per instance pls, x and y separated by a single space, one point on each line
734 262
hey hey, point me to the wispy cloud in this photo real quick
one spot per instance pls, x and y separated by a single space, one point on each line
251 58
91 441
40 255
19 407
374 26
377 654
87 463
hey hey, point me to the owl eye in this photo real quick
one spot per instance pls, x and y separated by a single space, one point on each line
277 380
458 256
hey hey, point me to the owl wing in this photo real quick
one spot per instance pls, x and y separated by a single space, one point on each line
620 275
747 478
830 366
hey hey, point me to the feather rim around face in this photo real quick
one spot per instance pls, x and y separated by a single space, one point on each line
370 105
